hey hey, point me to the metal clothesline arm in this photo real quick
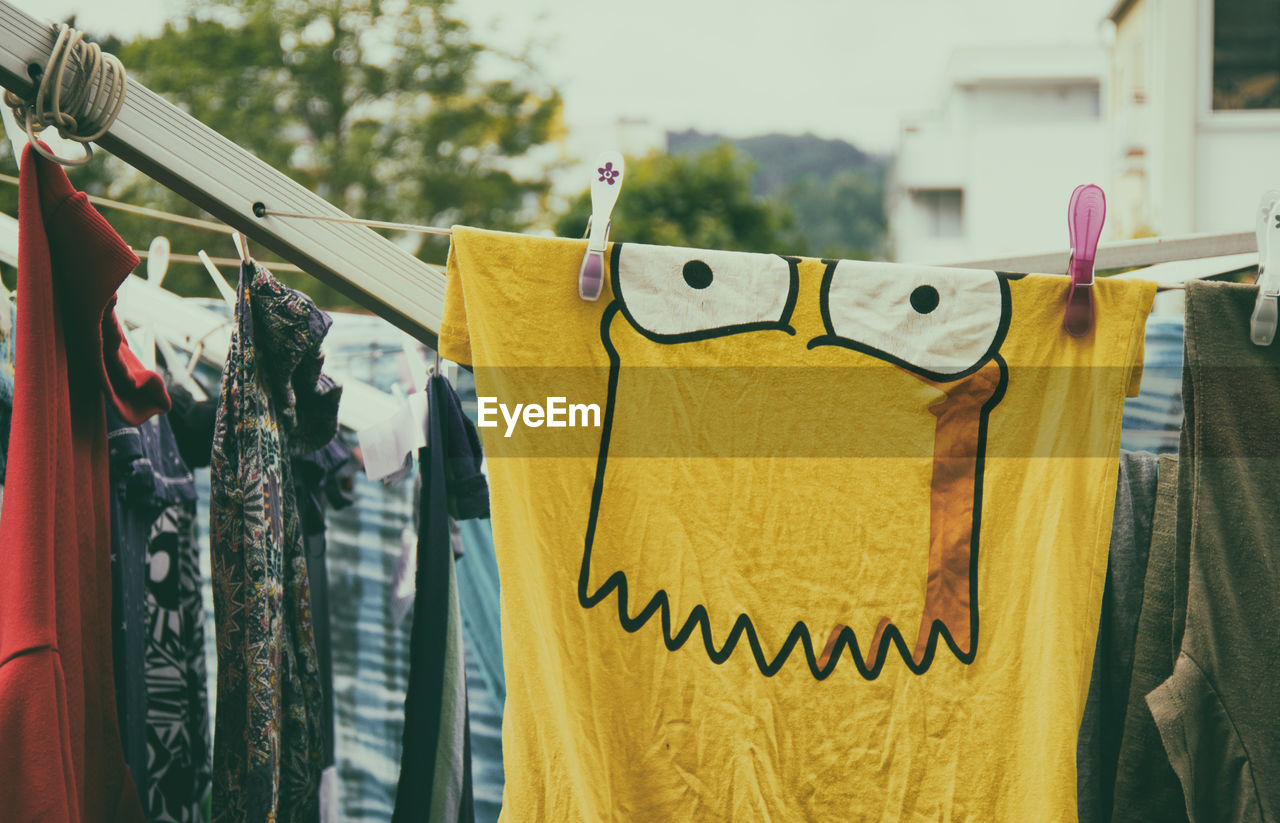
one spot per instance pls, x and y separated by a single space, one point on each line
171 146
1146 251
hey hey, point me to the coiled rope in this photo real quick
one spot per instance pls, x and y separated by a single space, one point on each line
91 104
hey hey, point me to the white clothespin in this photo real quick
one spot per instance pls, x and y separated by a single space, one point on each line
242 247
157 267
1262 325
606 183
158 260
220 282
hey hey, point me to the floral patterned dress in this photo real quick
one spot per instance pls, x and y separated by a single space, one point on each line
267 751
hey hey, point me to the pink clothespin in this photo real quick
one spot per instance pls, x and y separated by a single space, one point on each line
1086 213
606 183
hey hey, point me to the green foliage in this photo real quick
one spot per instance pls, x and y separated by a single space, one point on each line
841 216
701 200
377 106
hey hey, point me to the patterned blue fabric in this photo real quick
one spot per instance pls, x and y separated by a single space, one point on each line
1153 419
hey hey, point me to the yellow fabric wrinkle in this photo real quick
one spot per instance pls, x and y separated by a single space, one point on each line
764 474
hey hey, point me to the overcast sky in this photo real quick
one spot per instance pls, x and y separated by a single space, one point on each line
848 69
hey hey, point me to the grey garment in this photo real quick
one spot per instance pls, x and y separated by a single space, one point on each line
1098 745
1217 713
1146 789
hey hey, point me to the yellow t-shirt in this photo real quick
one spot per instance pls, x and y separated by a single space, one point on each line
791 539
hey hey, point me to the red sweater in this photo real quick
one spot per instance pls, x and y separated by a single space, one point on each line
60 753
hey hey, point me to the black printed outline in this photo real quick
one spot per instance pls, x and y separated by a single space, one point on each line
783 323
698 617
833 339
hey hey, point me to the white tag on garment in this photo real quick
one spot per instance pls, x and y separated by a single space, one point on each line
385 446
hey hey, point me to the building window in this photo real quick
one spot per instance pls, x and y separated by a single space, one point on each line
942 211
1246 54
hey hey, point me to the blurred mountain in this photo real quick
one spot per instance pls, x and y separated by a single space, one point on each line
784 158
834 189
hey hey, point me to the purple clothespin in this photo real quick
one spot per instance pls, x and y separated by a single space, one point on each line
1085 215
606 182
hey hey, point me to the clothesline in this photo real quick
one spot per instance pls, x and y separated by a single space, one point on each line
1141 252
219 261
171 217
1123 254
1110 255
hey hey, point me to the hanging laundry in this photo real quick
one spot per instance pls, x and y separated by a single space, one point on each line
1216 712
435 766
6 386
1146 788
1098 746
323 478
129 532
60 747
7 350
192 422
832 544
478 597
1153 419
268 739
160 667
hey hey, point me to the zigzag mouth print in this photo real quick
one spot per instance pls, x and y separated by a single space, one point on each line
947 610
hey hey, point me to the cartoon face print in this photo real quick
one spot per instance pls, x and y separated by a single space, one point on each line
791 458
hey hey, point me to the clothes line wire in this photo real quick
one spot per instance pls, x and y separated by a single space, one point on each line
183 220
261 210
1140 252
219 261
170 217
1125 254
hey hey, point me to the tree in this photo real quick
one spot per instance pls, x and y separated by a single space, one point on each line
700 199
841 216
376 105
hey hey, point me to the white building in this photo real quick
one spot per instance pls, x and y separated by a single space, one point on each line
1195 108
991 172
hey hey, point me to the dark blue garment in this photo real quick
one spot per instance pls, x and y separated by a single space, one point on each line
452 485
158 617
1152 423
1098 745
323 478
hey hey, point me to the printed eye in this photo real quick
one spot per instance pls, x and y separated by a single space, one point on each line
688 294
942 323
